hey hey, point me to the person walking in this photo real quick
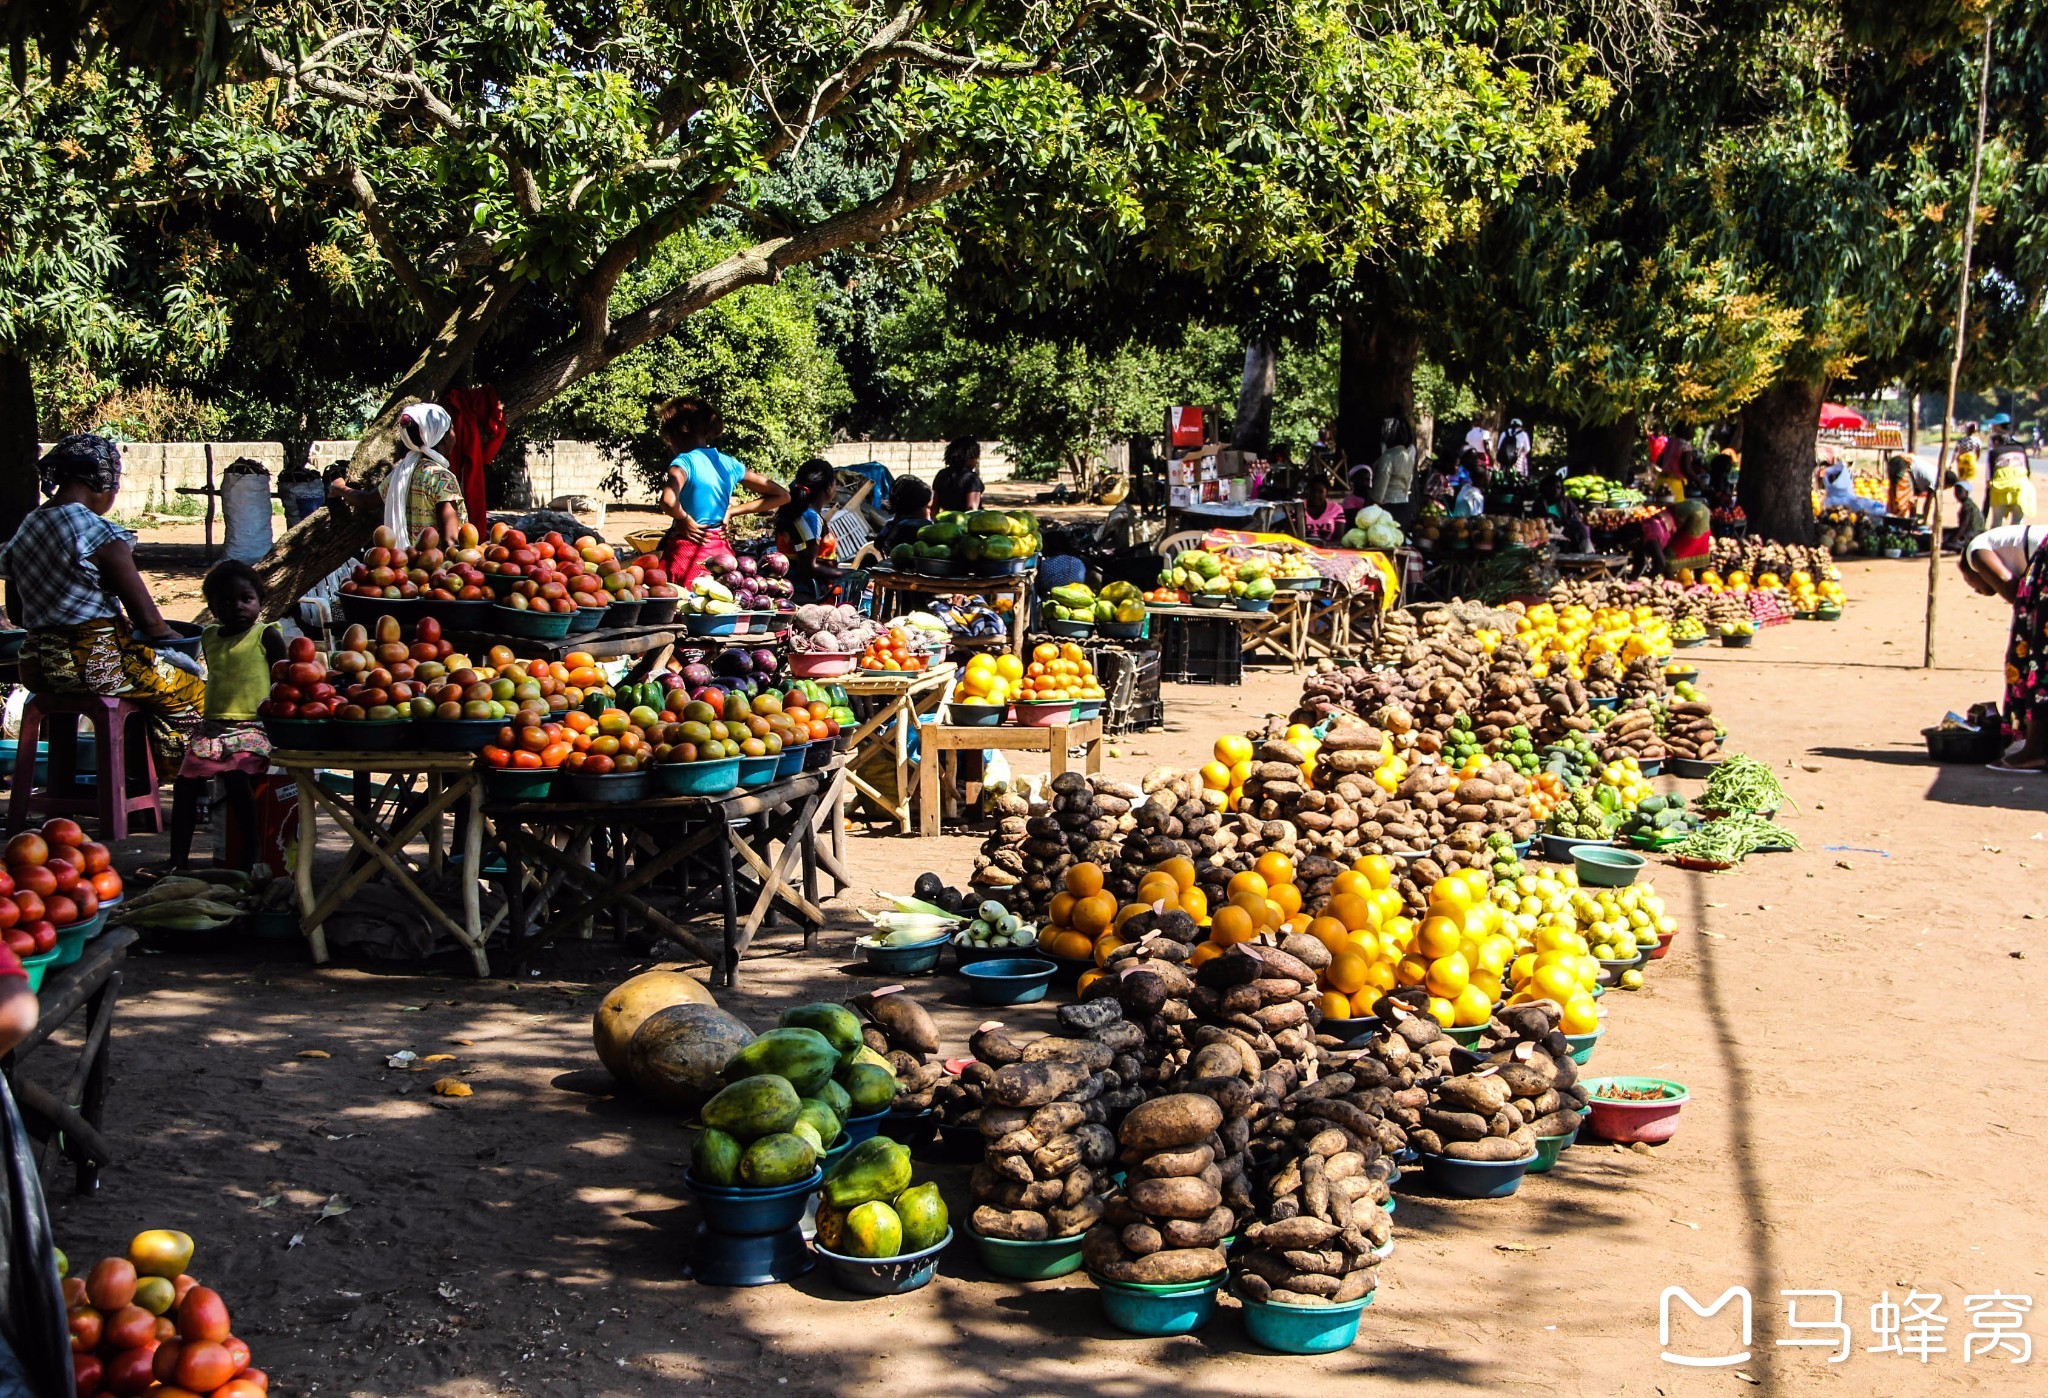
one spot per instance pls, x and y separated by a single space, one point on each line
698 492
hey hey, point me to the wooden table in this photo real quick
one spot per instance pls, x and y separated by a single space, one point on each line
891 587
903 699
68 1120
1058 740
599 858
380 821
1591 567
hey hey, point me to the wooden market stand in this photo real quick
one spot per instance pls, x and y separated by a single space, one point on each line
892 587
901 702
940 740
67 1119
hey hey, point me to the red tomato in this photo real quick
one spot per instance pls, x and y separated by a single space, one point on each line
130 1371
27 848
36 879
61 910
30 906
238 1352
62 831
131 1327
107 885
85 1325
202 1315
44 935
166 1355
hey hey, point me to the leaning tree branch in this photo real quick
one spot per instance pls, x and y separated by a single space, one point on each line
430 300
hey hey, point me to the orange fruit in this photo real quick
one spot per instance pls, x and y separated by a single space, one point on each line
1288 897
1448 975
1104 945
1254 907
1363 1001
1441 1011
1351 881
1438 936
1074 946
1181 871
1377 868
1203 951
1093 914
1231 925
1351 910
1195 903
1216 776
1233 748
1274 915
1334 1005
1275 868
1088 977
1049 936
1129 911
1411 970
1298 922
1061 909
1330 932
1346 972
1159 888
1379 979
1248 882
1084 879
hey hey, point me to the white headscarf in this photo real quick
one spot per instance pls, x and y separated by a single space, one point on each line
420 427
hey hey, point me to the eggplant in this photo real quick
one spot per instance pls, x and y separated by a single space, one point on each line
766 662
775 565
696 677
749 565
732 662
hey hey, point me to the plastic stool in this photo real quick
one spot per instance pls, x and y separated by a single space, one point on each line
126 784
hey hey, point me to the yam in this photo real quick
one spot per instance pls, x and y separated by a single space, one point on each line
1068 1222
1168 1123
1293 1233
1472 1093
1141 1240
1013 1225
1171 1265
1036 1084
1088 1053
1181 1197
1173 1164
1495 1148
1198 1233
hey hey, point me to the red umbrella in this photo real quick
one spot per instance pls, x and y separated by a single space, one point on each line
1836 416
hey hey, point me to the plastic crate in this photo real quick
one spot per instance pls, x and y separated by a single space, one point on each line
1198 651
1129 672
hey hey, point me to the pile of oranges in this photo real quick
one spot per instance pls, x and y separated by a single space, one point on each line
1057 672
1263 899
991 679
892 650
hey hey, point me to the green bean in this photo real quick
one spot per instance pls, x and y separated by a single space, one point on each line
1743 784
1733 838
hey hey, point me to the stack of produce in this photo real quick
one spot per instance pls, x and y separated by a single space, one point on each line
1399 630
1769 607
1690 731
788 1093
1059 671
1743 784
870 1208
661 1032
1045 1117
1581 817
142 1323
55 877
1603 677
1168 1221
1527 1088
1642 678
971 618
901 1031
894 651
1372 528
1027 856
1631 733
1395 1071
1320 1177
1658 818
1180 817
1195 571
752 584
1571 758
820 627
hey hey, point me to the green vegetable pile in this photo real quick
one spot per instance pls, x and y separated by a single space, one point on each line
1518 749
1743 785
1581 817
1658 817
1733 838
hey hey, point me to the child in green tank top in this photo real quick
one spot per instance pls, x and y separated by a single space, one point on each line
230 743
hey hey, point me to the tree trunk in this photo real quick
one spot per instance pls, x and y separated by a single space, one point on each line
1254 428
1780 427
19 442
1602 449
1375 381
329 537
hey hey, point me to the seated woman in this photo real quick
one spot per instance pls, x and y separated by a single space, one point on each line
800 529
1323 517
72 576
1676 536
910 509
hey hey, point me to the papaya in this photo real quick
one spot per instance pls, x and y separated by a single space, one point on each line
676 1054
832 1228
821 1118
873 1230
716 1159
809 1131
803 1056
872 1089
751 1108
923 1215
772 1161
990 522
863 1054
628 1005
839 1025
877 1168
837 1098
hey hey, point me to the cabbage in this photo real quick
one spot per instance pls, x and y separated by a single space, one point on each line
1354 539
1384 535
1369 516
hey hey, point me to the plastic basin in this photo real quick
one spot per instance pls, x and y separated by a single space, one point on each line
1070 629
379 735
71 940
1053 715
714 778
299 732
884 1276
519 783
821 664
914 1128
457 734
1018 980
1346 1030
1465 1035
790 760
608 787
818 754
1693 768
1558 848
533 626
1120 630
1582 1044
906 961
1253 604
1548 1149
1212 601
658 611
752 1213
1662 949
965 956
1681 676
1737 642
976 715
1475 1179
1181 1309
1650 766
856 1129
759 771
620 613
1610 701
1034 1261
703 624
39 966
835 1152
1651 1122
1303 1329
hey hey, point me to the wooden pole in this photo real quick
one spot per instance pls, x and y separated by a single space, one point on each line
1955 364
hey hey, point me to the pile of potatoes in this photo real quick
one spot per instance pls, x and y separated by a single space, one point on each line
1524 1085
1393 1073
1689 730
1023 860
1048 1110
1643 678
902 1031
1603 676
1168 1221
1630 731
1398 630
1510 698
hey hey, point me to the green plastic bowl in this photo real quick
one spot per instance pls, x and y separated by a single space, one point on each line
519 783
1582 1044
1465 1035
530 625
1604 866
1303 1329
1035 1261
38 966
1548 1149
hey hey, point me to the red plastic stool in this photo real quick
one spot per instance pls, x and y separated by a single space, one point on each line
125 785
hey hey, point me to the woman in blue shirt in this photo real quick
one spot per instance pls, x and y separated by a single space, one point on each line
800 528
698 493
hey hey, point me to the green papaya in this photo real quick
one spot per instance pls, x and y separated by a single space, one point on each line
877 1168
809 1131
716 1159
1000 548
753 1107
820 1116
832 1228
839 1025
873 1230
903 555
924 1217
783 1158
871 1088
863 1054
837 1098
804 1056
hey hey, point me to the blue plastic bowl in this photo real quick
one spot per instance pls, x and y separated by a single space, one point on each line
976 715
1250 604
1612 701
752 1213
913 1127
758 771
724 625
1303 1329
912 960
1475 1179
836 1150
1558 848
1142 1310
1603 866
1018 980
790 760
1582 1044
1120 630
860 1128
713 778
884 1276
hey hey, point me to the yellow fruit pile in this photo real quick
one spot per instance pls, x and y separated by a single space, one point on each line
1057 671
1083 918
1261 899
1627 779
1562 641
991 679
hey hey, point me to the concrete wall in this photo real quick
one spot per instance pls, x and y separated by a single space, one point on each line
156 470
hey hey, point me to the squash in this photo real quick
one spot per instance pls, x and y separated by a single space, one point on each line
676 1054
631 1002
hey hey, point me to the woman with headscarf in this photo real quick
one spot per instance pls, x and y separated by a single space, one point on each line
71 577
421 492
1679 534
698 492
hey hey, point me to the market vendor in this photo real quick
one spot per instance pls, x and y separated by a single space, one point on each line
1323 518
1676 535
2010 497
1838 488
74 586
957 486
800 529
1393 474
421 492
910 509
2009 563
698 493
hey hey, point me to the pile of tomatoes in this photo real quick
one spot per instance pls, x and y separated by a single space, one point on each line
54 877
892 651
596 744
142 1324
1058 672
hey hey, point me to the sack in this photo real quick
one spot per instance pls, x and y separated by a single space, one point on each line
245 500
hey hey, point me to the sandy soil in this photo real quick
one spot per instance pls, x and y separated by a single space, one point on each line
532 1239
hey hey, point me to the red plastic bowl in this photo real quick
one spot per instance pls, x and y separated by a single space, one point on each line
1650 1122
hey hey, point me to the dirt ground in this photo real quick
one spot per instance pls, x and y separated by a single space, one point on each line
532 1238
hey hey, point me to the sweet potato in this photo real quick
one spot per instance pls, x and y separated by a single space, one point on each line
1198 1232
1171 1265
1169 1123
1187 1196
1495 1148
1036 1084
1070 1222
1089 1053
1016 1225
1293 1233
